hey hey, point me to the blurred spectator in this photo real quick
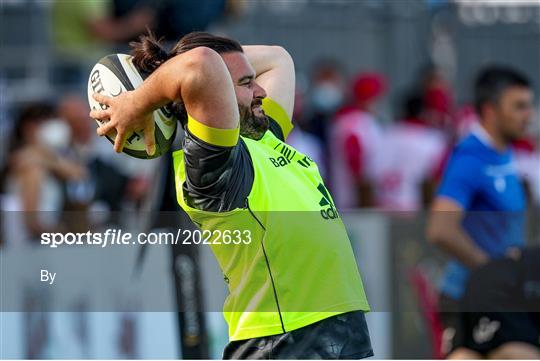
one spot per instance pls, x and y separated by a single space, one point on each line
405 175
176 18
108 182
356 142
36 171
438 98
301 139
327 94
83 30
74 111
72 27
80 26
466 118
168 19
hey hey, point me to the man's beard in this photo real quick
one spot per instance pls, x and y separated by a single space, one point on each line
252 126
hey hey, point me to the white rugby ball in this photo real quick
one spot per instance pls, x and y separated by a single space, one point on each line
114 74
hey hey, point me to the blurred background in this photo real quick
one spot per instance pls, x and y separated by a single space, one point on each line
408 66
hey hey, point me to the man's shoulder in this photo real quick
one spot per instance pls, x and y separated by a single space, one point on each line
469 148
466 162
469 141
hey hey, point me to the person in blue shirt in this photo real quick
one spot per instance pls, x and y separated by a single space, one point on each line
478 213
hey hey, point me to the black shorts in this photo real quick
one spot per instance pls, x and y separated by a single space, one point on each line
501 304
343 336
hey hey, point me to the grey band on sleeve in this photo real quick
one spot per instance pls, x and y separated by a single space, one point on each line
218 179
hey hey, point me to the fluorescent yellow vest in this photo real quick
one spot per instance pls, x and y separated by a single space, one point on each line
299 267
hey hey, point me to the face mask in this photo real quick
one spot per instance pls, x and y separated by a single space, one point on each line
55 134
326 97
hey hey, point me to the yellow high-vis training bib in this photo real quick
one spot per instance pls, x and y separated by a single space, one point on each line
299 266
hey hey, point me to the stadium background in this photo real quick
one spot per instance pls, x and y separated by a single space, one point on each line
395 39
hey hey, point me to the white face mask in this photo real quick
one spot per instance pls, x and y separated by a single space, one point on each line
326 97
55 133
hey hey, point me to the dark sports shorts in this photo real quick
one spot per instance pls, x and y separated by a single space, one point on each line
343 336
501 304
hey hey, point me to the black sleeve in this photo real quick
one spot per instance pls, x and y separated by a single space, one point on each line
218 179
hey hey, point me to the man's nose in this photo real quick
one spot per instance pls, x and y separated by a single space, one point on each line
259 92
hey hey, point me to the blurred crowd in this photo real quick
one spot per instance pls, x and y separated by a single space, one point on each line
390 162
370 155
55 163
52 161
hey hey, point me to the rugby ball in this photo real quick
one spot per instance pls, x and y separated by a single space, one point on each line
114 74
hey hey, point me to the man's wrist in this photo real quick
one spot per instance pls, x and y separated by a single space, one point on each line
513 253
145 101
481 258
151 95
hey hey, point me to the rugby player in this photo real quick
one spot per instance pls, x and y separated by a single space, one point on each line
295 291
478 213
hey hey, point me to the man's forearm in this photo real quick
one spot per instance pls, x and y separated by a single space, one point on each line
264 58
459 245
449 235
274 68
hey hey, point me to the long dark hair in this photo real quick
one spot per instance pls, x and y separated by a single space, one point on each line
150 52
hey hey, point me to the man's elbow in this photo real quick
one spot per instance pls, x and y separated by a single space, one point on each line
203 68
281 51
282 55
203 59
